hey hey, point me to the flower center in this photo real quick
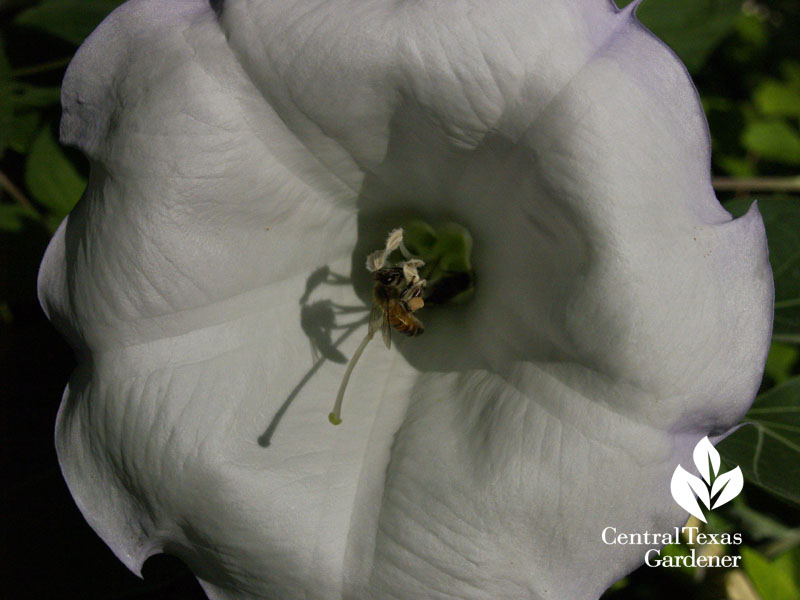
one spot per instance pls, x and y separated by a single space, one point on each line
446 253
432 266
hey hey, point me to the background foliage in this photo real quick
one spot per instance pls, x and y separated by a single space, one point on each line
745 60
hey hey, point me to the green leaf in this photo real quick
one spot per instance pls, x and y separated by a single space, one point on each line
692 28
52 221
774 140
781 216
736 166
791 74
20 131
12 217
776 579
760 527
780 361
5 67
752 30
70 20
767 447
30 96
50 176
6 104
719 103
777 99
780 98
17 121
679 550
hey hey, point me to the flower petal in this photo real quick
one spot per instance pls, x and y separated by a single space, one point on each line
178 277
619 314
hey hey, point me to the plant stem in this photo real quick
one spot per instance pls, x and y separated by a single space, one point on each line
14 192
41 68
756 184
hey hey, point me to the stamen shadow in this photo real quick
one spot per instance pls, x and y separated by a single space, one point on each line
318 320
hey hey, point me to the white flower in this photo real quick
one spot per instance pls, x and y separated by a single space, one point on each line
619 314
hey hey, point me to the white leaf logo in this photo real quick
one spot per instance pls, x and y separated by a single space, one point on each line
687 489
706 459
729 484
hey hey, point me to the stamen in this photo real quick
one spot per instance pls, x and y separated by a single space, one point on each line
336 416
395 240
404 251
377 259
389 298
410 270
414 290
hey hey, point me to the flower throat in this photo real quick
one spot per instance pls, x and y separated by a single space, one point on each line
432 267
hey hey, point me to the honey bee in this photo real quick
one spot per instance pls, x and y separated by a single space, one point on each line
394 302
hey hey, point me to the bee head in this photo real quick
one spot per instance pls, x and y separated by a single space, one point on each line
389 277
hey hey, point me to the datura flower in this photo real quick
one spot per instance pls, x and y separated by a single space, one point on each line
247 156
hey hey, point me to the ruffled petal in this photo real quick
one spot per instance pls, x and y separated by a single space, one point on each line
619 316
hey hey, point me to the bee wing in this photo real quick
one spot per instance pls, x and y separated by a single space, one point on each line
386 330
375 319
379 319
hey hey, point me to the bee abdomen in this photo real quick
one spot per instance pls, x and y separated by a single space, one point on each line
407 326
